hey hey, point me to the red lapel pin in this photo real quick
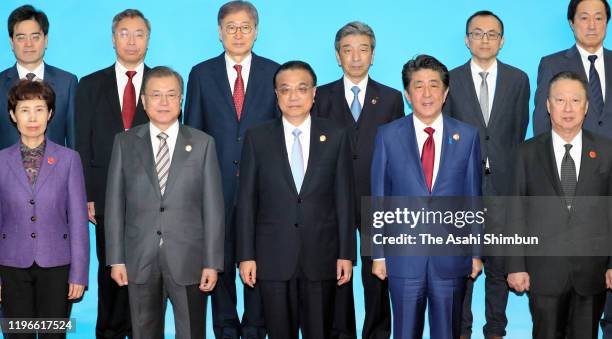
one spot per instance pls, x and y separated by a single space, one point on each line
50 160
593 154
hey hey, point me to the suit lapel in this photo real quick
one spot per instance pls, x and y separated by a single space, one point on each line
575 63
140 117
144 149
588 164
371 100
48 164
223 85
549 165
256 84
501 87
49 76
278 136
339 99
314 152
468 80
16 165
608 71
407 138
109 91
445 150
179 156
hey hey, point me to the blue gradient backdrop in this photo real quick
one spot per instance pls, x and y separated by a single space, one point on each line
184 32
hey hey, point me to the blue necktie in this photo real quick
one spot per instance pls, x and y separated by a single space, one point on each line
297 160
596 99
355 105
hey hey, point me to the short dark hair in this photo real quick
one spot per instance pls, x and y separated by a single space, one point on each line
568 75
131 14
420 62
31 90
235 7
573 6
161 72
483 13
27 12
295 65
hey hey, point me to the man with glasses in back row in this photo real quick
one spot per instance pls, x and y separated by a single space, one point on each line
106 104
226 95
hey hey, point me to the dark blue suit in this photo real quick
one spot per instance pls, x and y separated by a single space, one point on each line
209 107
438 281
61 127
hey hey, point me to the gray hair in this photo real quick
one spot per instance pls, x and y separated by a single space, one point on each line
235 7
355 28
131 14
161 72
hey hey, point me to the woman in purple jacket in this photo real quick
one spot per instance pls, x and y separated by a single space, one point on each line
44 236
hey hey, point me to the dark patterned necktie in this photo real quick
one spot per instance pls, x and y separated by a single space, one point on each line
596 99
568 176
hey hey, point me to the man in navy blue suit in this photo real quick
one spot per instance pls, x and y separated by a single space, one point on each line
226 95
28 30
421 155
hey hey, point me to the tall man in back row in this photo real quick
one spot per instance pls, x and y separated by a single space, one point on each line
226 95
493 97
361 105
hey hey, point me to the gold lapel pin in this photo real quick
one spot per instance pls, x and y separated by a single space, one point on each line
188 148
322 138
456 137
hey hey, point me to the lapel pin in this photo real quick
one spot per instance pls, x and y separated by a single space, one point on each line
50 160
456 137
593 154
374 101
322 138
188 148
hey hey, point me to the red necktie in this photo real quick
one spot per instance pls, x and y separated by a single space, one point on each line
428 156
238 91
129 101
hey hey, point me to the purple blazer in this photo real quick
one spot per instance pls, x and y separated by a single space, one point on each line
48 225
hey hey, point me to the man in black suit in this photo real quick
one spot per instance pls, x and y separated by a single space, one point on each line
567 273
494 97
295 215
588 20
106 104
227 95
360 104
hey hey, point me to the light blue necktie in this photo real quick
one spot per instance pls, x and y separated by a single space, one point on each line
297 160
355 105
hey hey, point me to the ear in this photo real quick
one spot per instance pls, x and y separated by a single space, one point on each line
571 24
46 41
445 95
255 31
407 96
372 62
114 41
13 117
50 115
12 44
467 41
502 42
220 33
338 59
144 102
548 105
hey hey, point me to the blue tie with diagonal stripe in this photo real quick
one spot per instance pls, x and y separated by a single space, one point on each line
297 160
355 105
596 99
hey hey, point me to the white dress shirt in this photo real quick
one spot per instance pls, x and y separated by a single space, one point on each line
304 138
599 66
232 74
421 137
122 80
348 93
172 133
491 81
39 71
575 151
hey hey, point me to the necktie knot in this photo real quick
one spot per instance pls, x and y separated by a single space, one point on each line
483 75
430 131
130 74
238 68
296 132
355 90
30 76
568 147
162 136
592 58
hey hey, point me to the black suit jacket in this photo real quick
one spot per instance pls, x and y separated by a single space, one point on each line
569 60
97 121
382 104
284 230
581 231
507 123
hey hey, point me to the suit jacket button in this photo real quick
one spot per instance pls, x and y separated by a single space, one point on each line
600 123
161 209
487 137
33 218
33 235
65 236
158 232
3 236
299 200
236 162
238 139
32 201
355 157
296 224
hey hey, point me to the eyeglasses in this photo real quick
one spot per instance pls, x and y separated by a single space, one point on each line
157 96
124 34
479 35
34 37
301 90
232 29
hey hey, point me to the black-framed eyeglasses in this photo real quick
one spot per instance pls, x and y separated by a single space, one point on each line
232 29
479 35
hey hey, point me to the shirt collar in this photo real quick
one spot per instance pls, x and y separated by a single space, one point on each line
171 131
348 84
584 54
120 69
39 71
419 126
38 149
304 126
559 143
476 69
245 63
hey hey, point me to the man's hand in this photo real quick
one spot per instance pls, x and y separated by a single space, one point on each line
208 280
91 212
248 272
476 268
379 269
519 281
609 278
344 270
75 291
119 274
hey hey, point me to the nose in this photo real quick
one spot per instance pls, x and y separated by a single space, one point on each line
164 99
426 91
591 23
355 56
